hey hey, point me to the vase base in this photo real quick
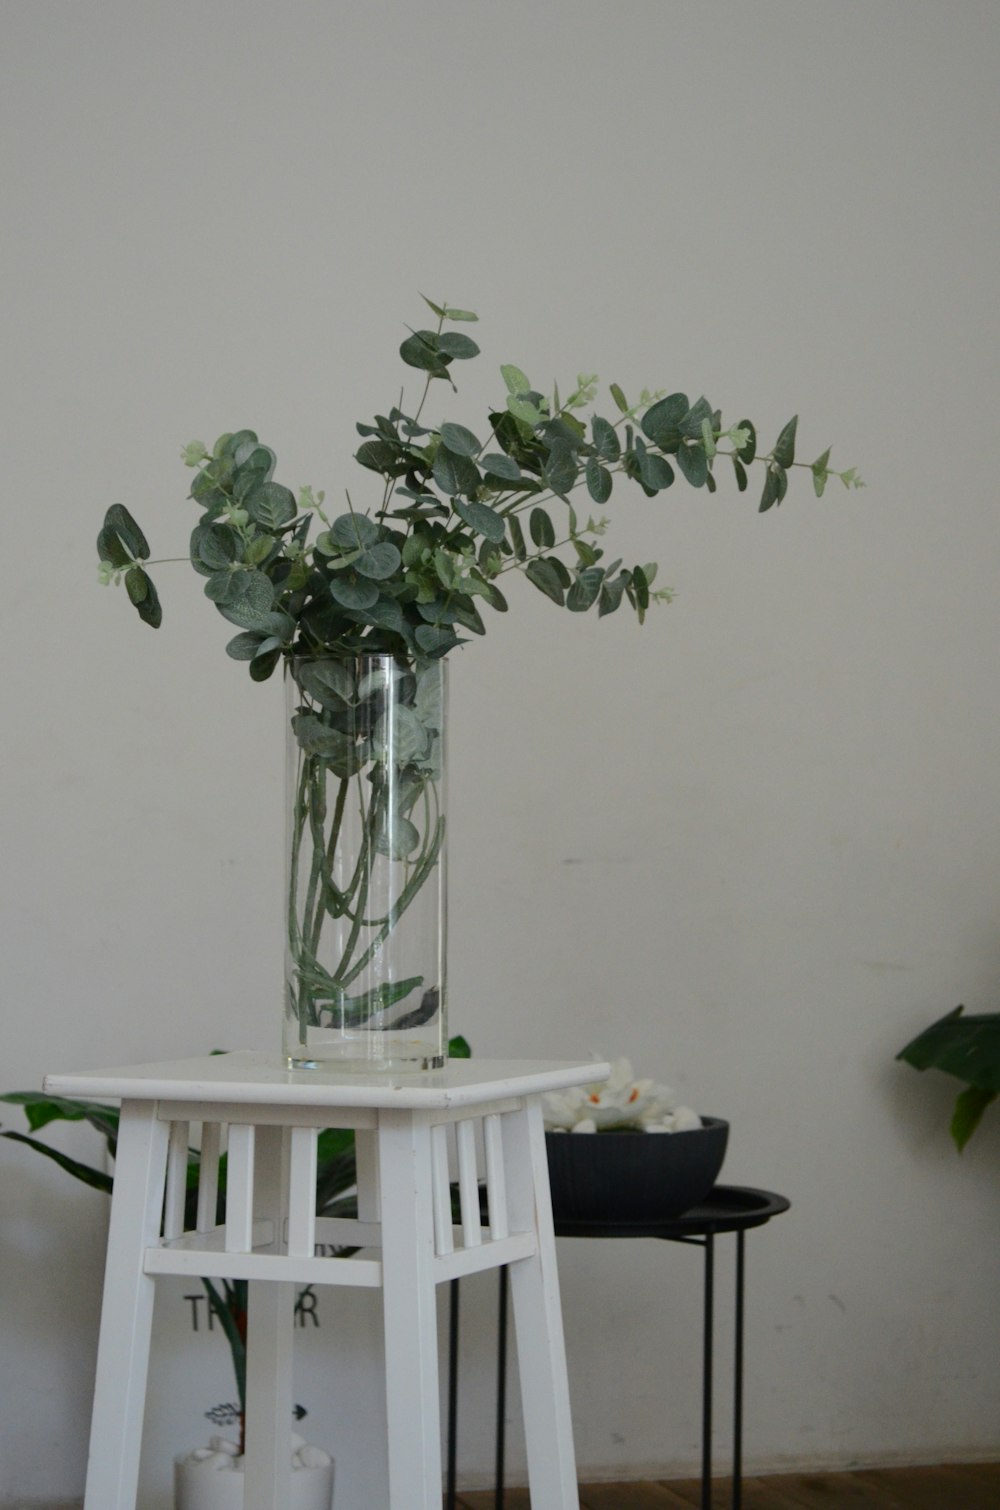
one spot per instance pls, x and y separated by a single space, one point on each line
353 1064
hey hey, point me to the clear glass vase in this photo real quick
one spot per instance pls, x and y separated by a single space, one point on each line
365 877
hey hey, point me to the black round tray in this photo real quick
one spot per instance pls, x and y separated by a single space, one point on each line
727 1208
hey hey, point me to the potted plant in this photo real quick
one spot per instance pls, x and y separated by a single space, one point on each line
625 1150
362 606
969 1048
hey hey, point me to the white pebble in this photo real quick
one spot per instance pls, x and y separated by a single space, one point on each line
217 1460
686 1120
313 1457
222 1444
585 1125
198 1454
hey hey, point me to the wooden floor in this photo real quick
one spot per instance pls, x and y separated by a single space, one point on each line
969 1487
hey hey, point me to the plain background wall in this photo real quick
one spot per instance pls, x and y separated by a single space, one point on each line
754 845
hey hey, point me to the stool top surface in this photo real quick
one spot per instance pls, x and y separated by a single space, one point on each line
249 1076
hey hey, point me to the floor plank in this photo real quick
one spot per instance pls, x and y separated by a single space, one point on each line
974 1486
756 1496
644 1496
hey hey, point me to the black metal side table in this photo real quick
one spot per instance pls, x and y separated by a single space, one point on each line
728 1208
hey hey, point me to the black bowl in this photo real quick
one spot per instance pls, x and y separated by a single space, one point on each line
633 1176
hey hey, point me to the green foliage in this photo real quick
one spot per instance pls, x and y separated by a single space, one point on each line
968 1048
400 576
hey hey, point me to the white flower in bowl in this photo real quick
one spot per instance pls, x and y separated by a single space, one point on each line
621 1101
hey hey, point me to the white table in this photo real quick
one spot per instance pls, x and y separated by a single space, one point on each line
413 1132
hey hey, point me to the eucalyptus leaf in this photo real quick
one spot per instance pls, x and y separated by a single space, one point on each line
585 590
543 573
455 474
599 480
560 470
353 531
459 440
352 592
435 641
378 561
542 529
483 519
119 521
514 380
693 462
327 680
421 350
496 464
784 448
453 344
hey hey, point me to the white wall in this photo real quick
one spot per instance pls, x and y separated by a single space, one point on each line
753 845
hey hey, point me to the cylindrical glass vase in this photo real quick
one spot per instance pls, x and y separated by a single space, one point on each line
365 876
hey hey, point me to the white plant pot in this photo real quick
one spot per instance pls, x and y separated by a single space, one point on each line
205 1485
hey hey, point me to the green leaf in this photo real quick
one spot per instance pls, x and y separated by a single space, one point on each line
619 398
560 469
251 603
93 1177
483 519
747 453
599 480
353 531
317 738
741 474
662 421
378 455
517 538
967 1047
784 449
454 344
693 463
217 545
243 647
585 590
544 575
459 440
434 640
775 487
265 661
606 442
455 474
542 529
655 471
328 681
110 548
148 606
352 592
496 464
612 592
136 585
515 380
118 522
968 1112
525 410
458 1048
378 561
820 472
420 350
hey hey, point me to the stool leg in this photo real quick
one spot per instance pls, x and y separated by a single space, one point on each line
270 1319
411 1362
541 1348
127 1310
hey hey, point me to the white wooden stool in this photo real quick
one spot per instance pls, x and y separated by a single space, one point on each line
412 1130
